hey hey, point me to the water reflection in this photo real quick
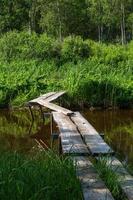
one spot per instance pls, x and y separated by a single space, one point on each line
19 132
118 129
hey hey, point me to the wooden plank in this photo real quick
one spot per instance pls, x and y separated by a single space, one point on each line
55 96
71 140
125 179
91 137
51 96
92 186
55 107
43 97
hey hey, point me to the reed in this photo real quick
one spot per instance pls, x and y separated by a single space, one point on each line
110 178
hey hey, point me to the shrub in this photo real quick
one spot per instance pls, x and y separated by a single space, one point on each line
14 45
45 47
74 48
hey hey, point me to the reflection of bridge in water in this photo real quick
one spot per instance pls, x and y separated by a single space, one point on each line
81 141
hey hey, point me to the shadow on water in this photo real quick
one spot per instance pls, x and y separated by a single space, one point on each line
17 134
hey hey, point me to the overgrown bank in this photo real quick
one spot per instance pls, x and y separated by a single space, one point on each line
92 73
42 176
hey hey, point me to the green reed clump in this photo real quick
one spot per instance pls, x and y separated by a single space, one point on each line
110 178
42 176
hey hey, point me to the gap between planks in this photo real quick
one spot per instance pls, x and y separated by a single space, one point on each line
91 137
125 179
71 140
92 186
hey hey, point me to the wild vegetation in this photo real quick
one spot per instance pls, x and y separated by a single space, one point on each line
39 176
91 73
48 45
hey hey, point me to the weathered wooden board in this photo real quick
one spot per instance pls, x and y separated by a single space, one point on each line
42 97
92 186
126 180
55 96
55 107
91 137
51 96
71 140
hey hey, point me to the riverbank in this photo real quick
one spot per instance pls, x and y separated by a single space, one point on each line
93 74
43 175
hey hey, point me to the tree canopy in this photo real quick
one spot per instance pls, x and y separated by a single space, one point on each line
103 20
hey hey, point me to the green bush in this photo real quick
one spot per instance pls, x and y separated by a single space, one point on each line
15 45
44 47
9 46
74 48
113 54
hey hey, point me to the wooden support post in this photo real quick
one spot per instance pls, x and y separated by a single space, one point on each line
43 119
31 113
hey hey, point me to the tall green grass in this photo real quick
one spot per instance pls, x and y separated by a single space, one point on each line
42 176
110 178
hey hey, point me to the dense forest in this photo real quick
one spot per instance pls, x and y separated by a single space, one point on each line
82 46
102 20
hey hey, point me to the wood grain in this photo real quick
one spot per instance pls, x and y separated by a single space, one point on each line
71 140
91 137
92 186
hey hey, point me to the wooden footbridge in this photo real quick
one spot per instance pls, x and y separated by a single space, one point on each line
81 141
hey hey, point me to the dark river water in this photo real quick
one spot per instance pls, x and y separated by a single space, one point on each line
18 133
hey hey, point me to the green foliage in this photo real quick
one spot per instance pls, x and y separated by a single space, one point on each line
44 47
98 20
74 48
93 73
42 176
15 45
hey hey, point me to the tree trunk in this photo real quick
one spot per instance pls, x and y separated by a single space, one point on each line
59 22
32 17
30 28
132 32
99 34
123 32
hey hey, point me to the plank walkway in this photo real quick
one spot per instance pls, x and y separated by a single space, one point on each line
92 186
71 140
45 101
48 97
79 139
90 136
42 97
125 179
